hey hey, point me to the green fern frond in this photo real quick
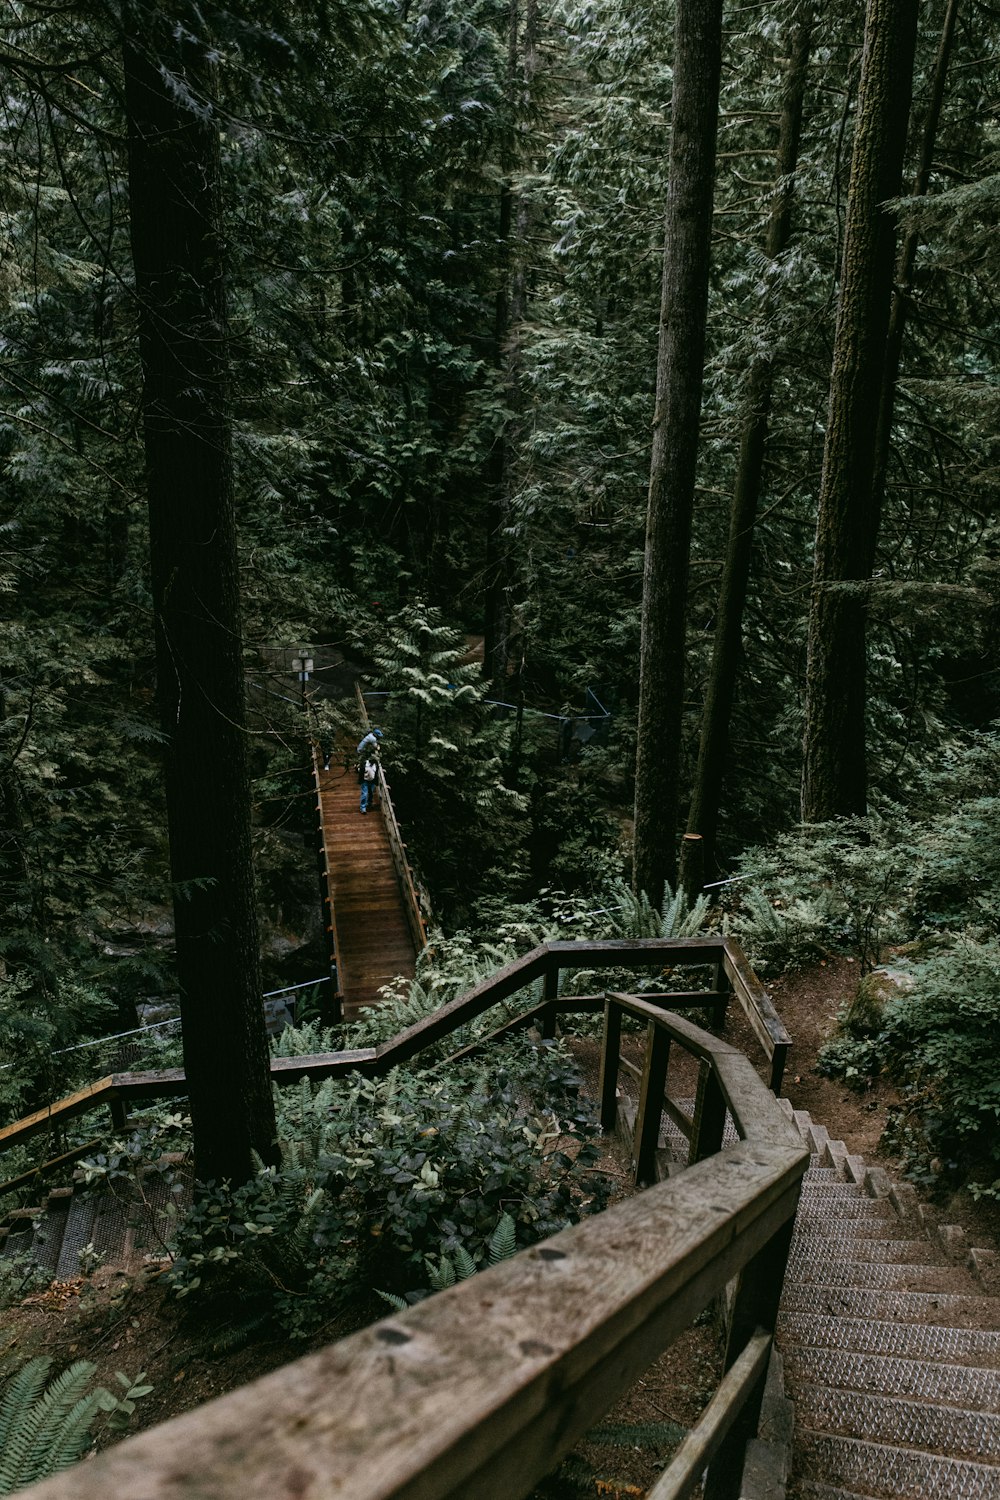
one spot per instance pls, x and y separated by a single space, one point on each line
637 1434
400 1304
503 1240
43 1431
465 1266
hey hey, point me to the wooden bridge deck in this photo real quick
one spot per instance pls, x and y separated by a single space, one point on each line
374 939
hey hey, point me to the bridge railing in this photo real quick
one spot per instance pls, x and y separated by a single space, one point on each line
400 859
326 886
479 1390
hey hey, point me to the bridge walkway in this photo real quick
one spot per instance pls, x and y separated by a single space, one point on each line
374 924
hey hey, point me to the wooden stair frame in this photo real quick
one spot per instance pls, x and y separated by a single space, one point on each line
414 1405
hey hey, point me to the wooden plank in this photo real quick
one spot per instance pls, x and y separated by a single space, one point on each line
688 1464
61 1109
479 1390
756 1002
49 1168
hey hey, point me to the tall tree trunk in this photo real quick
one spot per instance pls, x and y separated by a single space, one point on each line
834 777
703 817
511 305
679 375
179 269
904 277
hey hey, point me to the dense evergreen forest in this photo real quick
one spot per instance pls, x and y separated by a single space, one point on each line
657 346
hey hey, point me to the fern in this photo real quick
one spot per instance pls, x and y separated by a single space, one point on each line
503 1240
634 916
637 1434
45 1429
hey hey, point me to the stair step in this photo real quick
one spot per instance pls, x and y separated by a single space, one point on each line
816 1211
807 1490
50 1228
850 1246
890 1473
950 1309
899 1422
942 1384
78 1232
876 1276
866 1335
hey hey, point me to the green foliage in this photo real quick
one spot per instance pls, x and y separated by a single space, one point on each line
20 1274
48 1424
386 1184
637 918
842 884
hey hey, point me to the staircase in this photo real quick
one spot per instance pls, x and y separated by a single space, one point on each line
890 1344
127 1229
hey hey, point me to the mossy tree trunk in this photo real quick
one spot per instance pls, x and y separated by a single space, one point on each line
179 269
834 776
680 360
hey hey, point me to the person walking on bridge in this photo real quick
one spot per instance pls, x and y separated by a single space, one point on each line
368 764
370 742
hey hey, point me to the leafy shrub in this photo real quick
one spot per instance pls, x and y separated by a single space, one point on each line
939 1042
844 884
381 1179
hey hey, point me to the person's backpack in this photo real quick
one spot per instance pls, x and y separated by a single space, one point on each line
370 770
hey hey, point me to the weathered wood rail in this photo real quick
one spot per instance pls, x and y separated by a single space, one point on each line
478 1391
733 978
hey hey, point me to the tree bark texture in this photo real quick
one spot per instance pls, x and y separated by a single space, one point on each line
902 296
720 691
179 269
834 779
510 310
679 375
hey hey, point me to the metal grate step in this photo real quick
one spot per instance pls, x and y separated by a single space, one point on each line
79 1231
960 1346
889 1473
846 1245
943 1384
899 1422
949 1309
873 1275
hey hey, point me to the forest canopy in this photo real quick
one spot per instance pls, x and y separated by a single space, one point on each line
430 319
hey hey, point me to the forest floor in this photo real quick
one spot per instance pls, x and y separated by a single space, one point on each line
135 1326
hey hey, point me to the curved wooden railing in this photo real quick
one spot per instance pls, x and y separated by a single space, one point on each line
732 977
478 1391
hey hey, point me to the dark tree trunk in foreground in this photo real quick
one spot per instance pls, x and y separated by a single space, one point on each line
727 648
683 308
834 776
178 257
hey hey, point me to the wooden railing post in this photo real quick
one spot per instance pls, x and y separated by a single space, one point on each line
116 1109
550 992
723 987
609 1065
651 1091
755 1307
709 1116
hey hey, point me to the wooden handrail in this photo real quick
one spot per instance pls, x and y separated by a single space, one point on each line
544 962
401 864
404 874
331 926
479 1390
